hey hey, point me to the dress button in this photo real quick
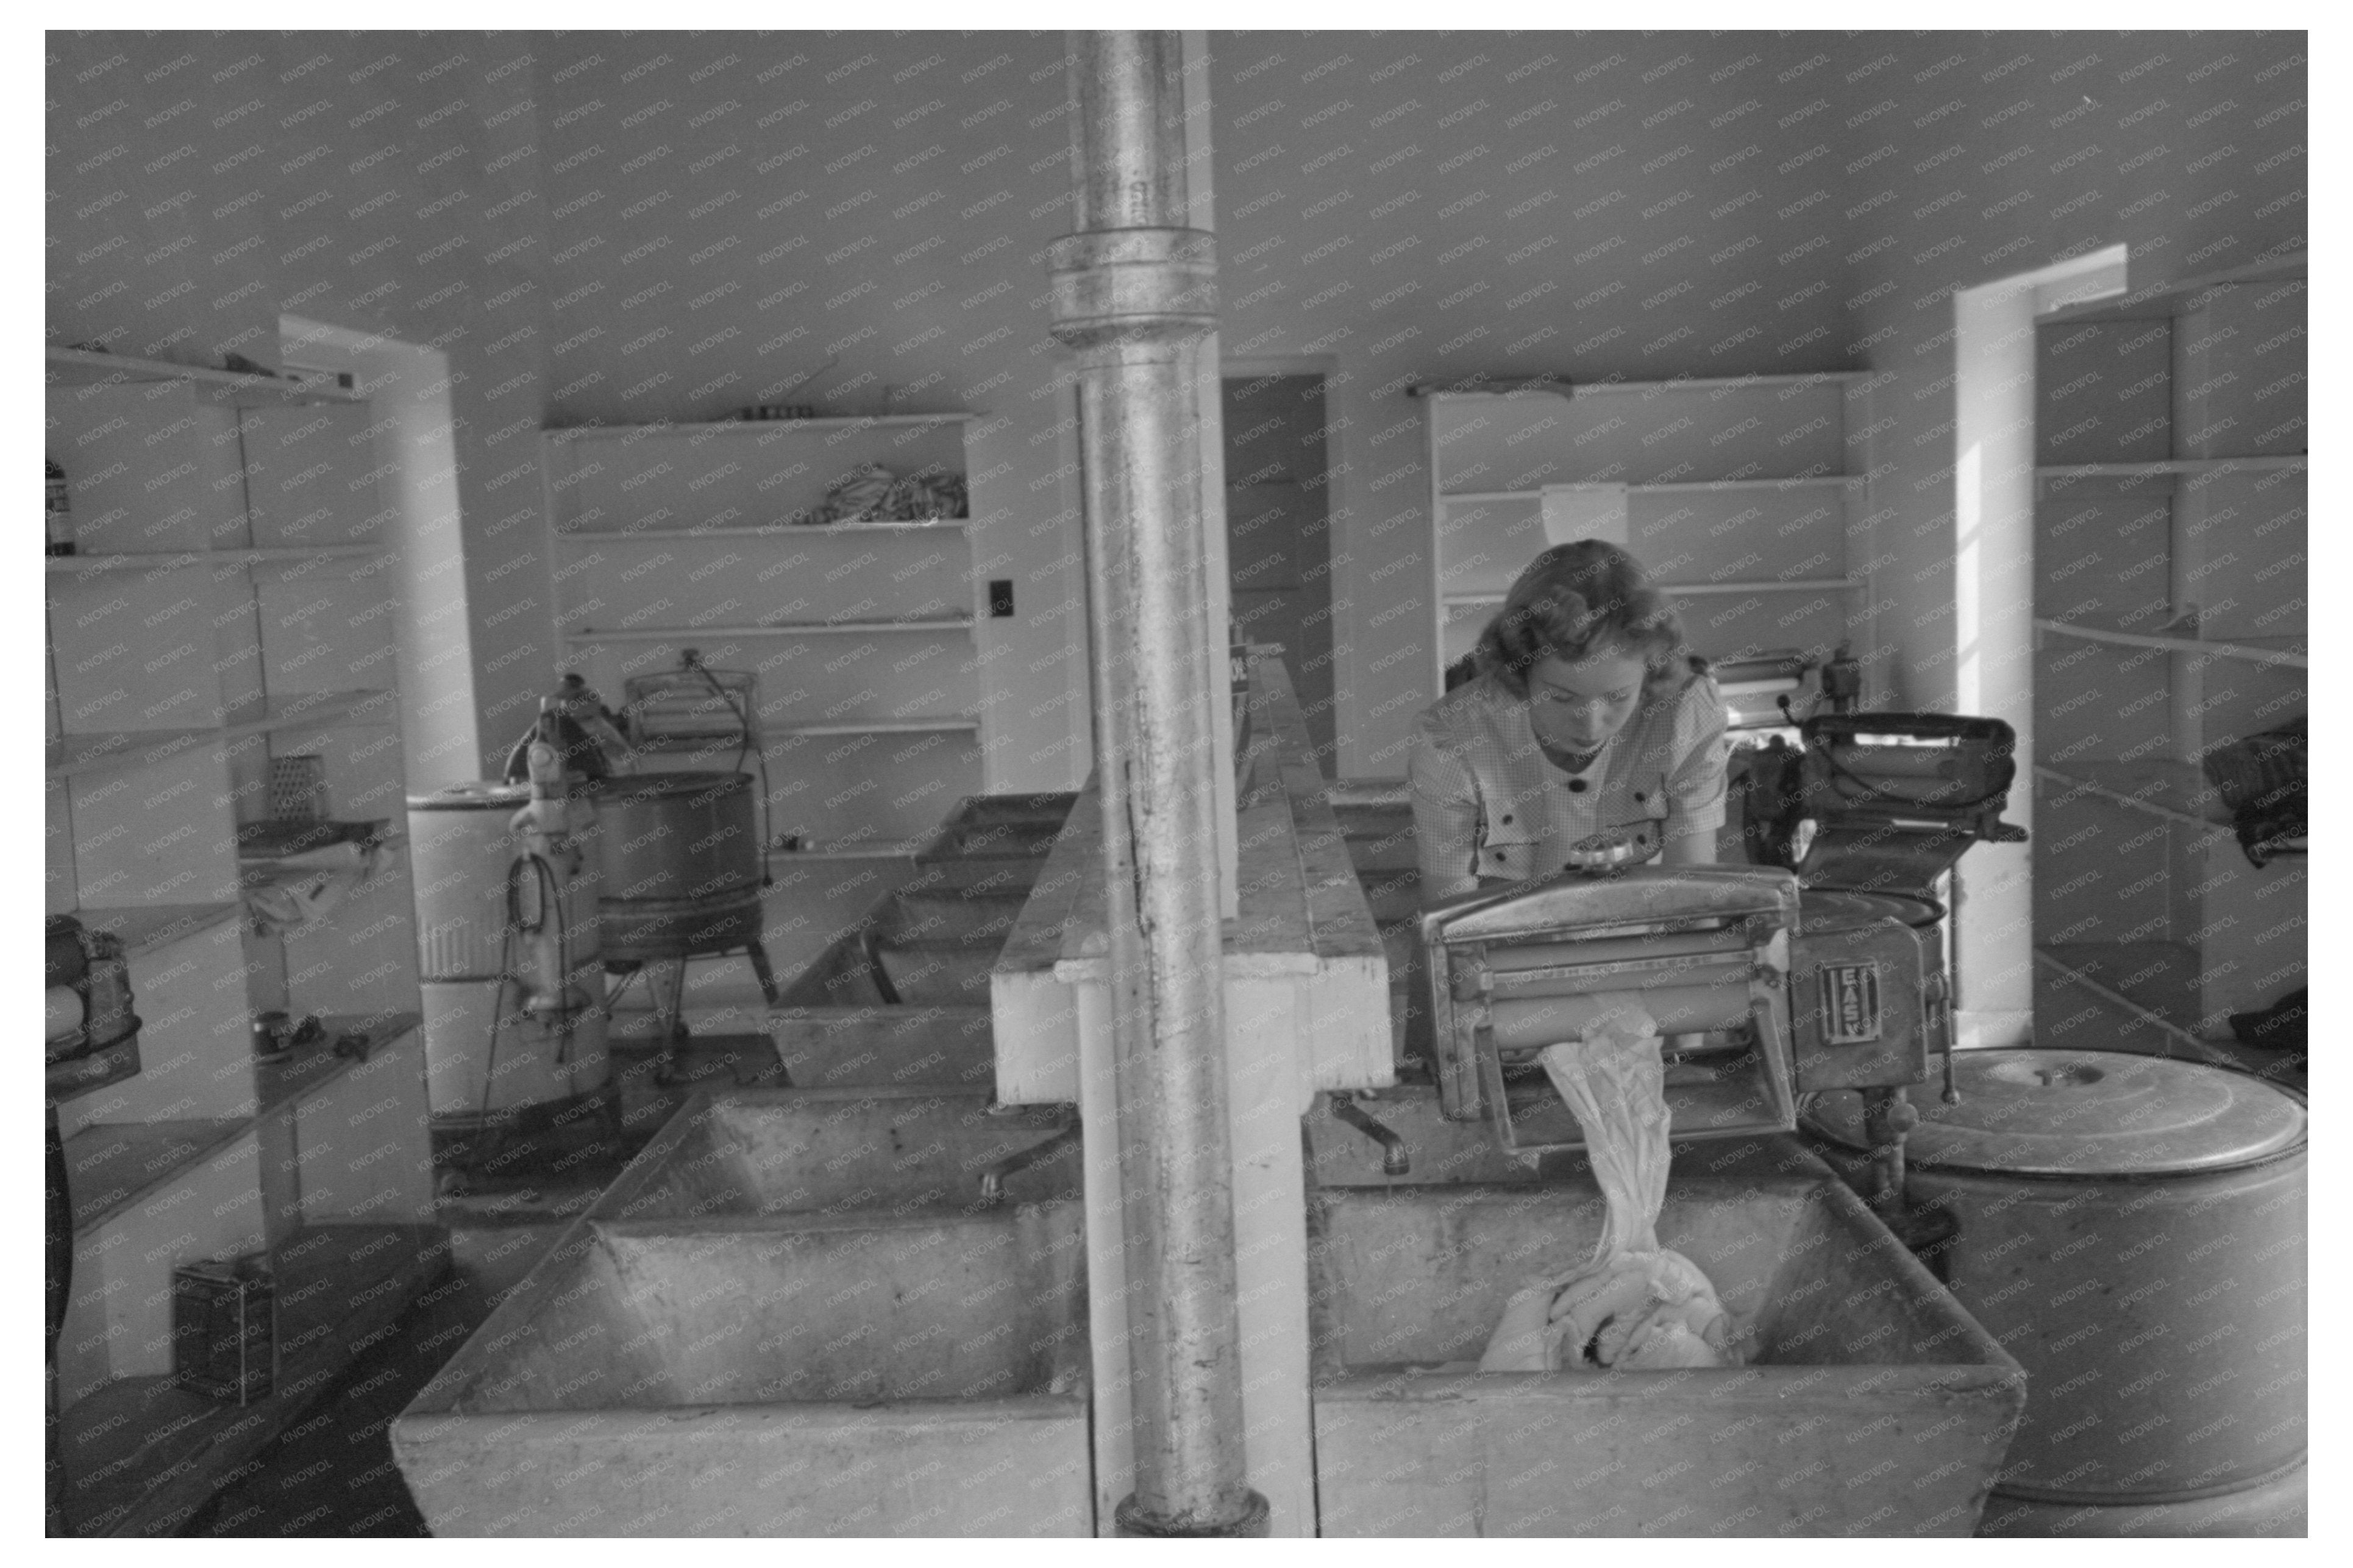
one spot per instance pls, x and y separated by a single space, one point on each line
1576 786
1640 798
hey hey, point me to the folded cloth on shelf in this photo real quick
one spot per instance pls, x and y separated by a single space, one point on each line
1634 1305
2262 779
295 890
870 493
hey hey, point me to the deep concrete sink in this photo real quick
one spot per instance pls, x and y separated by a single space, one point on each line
867 1376
992 841
903 997
771 1152
980 917
838 1027
1874 1405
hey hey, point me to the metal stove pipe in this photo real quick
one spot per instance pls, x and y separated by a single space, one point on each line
1132 297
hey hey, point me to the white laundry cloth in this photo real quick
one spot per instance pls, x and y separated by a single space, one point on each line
1634 1305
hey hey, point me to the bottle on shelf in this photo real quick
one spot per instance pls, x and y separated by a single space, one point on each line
61 512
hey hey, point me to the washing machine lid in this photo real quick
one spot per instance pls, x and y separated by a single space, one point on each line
2087 1113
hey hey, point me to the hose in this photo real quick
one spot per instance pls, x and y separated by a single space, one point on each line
514 926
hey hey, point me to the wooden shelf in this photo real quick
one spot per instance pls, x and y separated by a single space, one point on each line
1756 586
757 531
79 367
115 749
2171 467
2172 299
109 1165
2292 654
1798 483
2164 787
110 749
154 927
878 851
1678 487
242 556
263 870
1647 388
750 427
303 708
882 727
2156 982
789 629
1718 383
112 1164
147 1455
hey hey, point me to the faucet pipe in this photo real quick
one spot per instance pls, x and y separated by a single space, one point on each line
994 1177
1395 1159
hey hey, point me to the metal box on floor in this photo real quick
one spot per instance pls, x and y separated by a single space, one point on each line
1872 1405
793 1375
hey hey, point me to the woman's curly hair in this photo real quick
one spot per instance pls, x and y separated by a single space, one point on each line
1577 600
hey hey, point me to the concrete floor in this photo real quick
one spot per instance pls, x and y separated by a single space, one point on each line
331 1473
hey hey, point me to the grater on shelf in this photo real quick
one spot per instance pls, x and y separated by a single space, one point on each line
298 789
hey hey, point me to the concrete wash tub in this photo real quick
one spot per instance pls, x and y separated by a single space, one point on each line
1875 1405
792 1374
889 1151
993 842
933 943
834 1028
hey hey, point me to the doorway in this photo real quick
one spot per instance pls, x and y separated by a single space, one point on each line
1993 590
408 387
1279 530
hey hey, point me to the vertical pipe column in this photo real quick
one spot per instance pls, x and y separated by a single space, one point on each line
1132 297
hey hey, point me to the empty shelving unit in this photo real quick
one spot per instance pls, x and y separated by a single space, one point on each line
1746 496
2169 541
225 625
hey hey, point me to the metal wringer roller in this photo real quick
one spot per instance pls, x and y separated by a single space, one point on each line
1754 1010
1515 970
1769 983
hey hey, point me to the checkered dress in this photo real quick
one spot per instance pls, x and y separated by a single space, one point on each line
1488 804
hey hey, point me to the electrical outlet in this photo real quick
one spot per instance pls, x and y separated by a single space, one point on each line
1000 595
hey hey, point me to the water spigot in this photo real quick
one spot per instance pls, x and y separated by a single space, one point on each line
1395 1160
993 1178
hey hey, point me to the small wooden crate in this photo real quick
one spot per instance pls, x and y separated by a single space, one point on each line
223 1342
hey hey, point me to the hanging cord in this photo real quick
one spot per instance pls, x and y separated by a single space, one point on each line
551 906
513 927
477 1154
693 661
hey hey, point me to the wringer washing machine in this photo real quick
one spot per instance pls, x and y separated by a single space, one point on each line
1768 982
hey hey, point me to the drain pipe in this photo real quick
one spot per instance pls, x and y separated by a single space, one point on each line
1132 297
